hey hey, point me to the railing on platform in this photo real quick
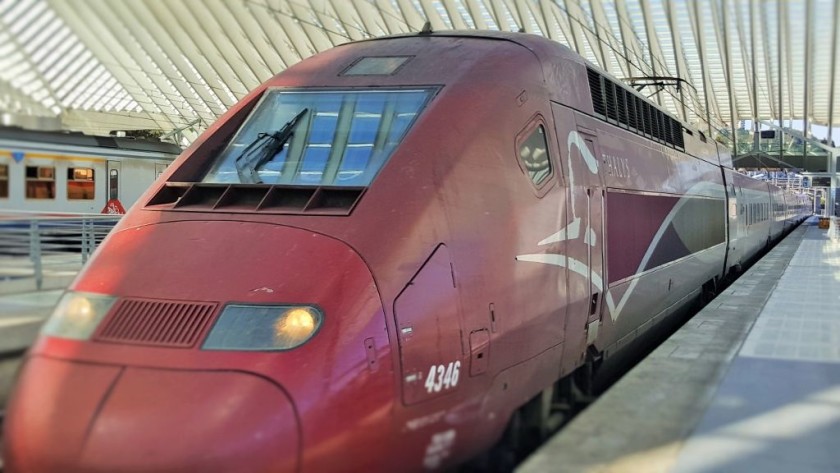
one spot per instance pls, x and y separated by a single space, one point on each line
36 249
793 182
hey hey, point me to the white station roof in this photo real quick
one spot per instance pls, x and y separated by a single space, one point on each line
101 65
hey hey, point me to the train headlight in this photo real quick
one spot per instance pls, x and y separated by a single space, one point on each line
77 315
263 328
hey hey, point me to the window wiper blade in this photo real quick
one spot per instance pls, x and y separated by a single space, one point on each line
263 149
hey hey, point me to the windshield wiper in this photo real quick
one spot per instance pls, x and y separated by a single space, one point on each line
263 149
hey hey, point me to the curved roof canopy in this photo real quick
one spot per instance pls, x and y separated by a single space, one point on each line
176 65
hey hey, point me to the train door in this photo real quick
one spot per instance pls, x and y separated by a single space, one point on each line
114 171
113 205
585 230
429 331
594 234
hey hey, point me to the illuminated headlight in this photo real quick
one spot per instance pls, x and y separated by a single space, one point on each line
256 328
77 315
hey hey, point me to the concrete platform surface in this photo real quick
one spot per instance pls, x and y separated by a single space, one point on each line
751 383
21 316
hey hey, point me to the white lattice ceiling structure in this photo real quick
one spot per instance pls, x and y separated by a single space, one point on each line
101 65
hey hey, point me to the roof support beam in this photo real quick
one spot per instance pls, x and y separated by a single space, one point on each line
699 36
237 80
474 11
14 101
199 59
582 32
33 68
764 32
455 18
205 99
728 71
806 93
679 57
654 48
95 36
147 54
780 62
432 16
542 21
561 19
237 42
753 34
414 18
833 69
366 15
605 35
574 27
632 49
393 22
788 60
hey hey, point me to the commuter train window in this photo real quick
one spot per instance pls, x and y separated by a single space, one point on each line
533 154
318 137
40 182
113 184
4 181
80 184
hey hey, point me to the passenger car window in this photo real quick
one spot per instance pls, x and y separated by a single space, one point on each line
533 154
40 182
80 184
4 181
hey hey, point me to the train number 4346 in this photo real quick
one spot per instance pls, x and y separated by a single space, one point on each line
443 377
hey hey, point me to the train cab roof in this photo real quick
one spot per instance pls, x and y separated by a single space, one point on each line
415 59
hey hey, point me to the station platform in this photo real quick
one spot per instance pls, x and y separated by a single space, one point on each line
21 316
751 383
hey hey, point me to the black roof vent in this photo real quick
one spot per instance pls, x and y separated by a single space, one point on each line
614 103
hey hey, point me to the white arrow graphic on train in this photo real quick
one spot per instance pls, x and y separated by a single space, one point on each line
572 232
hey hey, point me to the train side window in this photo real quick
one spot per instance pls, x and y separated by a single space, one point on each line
80 184
40 182
113 184
533 154
4 181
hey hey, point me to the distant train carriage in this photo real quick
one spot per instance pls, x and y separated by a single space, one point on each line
73 173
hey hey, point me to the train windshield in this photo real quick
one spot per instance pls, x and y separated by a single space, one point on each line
318 138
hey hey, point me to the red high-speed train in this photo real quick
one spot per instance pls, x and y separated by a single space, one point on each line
383 259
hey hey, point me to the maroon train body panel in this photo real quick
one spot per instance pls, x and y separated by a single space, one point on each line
444 225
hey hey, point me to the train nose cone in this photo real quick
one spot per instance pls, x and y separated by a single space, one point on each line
125 419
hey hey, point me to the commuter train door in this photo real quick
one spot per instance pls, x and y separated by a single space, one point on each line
113 183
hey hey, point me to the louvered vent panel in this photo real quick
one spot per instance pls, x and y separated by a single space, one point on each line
669 129
631 111
612 109
597 92
640 115
161 323
622 105
657 122
678 135
648 118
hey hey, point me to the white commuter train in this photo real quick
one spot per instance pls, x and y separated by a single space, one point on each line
72 173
